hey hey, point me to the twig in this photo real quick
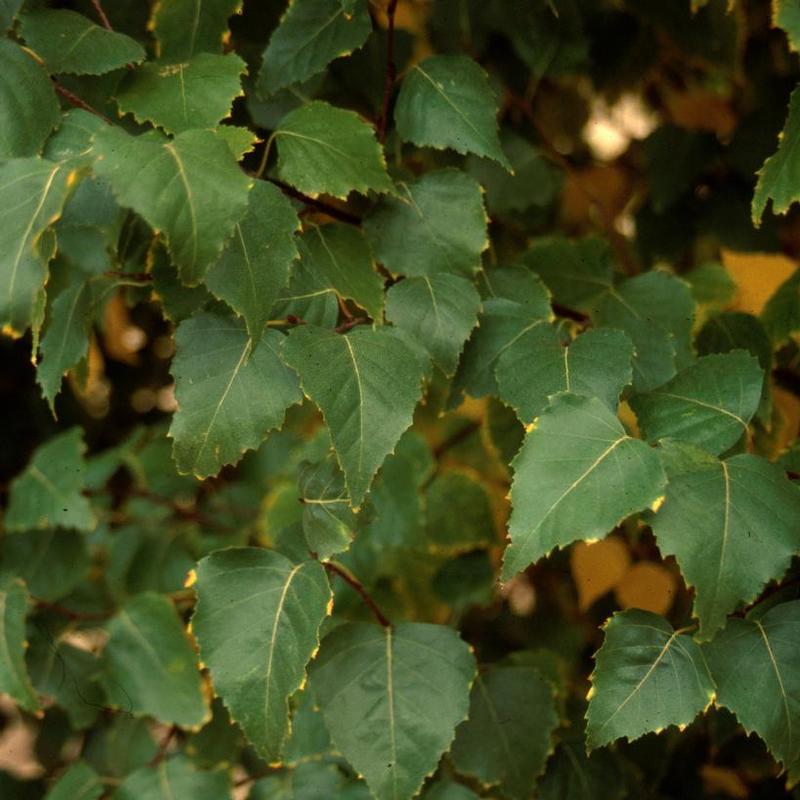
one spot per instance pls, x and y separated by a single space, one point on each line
101 15
76 101
350 579
391 72
70 613
351 323
162 748
331 211
459 436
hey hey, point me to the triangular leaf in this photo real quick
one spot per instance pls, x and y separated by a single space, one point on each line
439 311
311 34
392 697
257 624
219 372
577 475
190 188
508 736
324 149
177 97
71 43
48 493
749 515
435 224
255 264
755 664
536 365
26 120
367 384
647 676
447 102
149 666
708 404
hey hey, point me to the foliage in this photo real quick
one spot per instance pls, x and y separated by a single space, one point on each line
405 399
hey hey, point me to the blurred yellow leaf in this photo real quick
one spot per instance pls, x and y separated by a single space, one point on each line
722 780
598 567
648 586
757 275
788 405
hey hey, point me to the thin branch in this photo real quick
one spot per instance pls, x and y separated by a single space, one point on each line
351 323
321 205
391 72
101 15
351 579
162 748
76 101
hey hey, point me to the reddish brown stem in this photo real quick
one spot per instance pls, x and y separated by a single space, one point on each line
101 14
391 71
76 101
321 205
96 616
350 323
162 748
358 586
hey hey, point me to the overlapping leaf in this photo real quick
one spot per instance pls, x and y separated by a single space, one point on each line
749 515
447 102
189 188
324 149
577 475
435 224
14 679
178 97
149 666
367 384
231 391
392 697
311 33
71 43
647 676
755 663
185 27
257 624
172 778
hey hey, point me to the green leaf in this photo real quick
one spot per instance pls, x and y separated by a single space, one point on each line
781 314
657 311
149 665
257 624
47 494
8 11
328 522
435 224
190 188
74 139
786 15
576 271
51 562
26 118
219 372
66 339
448 790
596 364
178 302
749 513
573 775
535 182
518 302
310 35
79 782
712 285
708 404
327 150
240 140
338 255
755 664
14 679
577 475
647 676
32 194
255 264
778 178
439 311
447 102
392 697
366 384
71 43
185 27
472 527
177 97
308 298
507 738
173 778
